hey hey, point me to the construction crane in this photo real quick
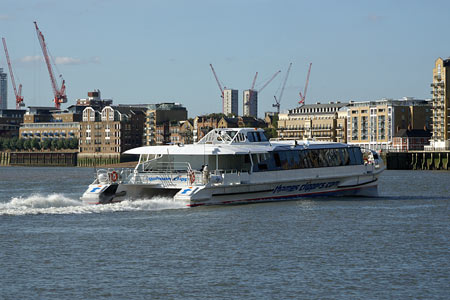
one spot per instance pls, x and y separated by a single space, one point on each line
250 91
59 93
278 101
263 86
303 96
269 81
220 86
17 93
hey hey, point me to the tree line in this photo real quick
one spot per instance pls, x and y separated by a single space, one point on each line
16 144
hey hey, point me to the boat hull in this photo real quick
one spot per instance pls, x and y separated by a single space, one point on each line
282 192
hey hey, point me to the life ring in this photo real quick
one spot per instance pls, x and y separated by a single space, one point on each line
114 176
191 176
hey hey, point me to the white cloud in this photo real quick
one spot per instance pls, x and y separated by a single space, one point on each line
67 61
61 60
28 59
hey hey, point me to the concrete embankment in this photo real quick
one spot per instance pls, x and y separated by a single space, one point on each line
418 160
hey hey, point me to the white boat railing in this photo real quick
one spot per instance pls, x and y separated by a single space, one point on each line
168 175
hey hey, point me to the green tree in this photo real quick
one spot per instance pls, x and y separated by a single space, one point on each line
19 144
270 133
12 143
46 144
275 121
73 143
60 144
27 144
54 144
5 144
66 143
35 144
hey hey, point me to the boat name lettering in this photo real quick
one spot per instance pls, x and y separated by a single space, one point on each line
304 187
164 178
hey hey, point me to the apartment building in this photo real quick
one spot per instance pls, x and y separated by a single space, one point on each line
322 122
10 120
181 132
441 104
250 103
230 102
48 123
203 125
373 124
157 121
111 130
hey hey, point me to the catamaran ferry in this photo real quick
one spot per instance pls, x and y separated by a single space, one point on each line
240 165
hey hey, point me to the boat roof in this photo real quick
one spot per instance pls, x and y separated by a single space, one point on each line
232 144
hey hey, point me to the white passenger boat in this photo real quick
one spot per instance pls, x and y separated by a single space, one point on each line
240 165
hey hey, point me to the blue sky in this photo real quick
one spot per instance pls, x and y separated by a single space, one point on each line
160 51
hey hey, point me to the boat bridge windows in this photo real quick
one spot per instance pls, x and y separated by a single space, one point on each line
256 136
306 158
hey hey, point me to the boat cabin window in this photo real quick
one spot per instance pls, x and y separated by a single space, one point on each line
307 158
256 136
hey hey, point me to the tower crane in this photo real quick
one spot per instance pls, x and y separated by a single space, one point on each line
250 91
263 87
17 93
59 93
278 101
220 86
302 97
269 81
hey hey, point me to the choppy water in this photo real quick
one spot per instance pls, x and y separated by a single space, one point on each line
53 247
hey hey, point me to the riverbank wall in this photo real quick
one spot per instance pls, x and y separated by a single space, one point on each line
4 158
418 160
66 159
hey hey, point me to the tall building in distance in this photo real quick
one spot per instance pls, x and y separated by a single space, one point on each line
3 90
230 102
250 101
441 104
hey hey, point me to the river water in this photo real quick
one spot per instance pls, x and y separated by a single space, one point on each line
395 246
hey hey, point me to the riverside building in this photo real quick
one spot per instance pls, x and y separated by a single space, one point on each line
108 132
10 120
373 124
322 122
49 123
157 121
441 105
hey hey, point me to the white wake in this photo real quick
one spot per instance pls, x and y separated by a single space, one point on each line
60 204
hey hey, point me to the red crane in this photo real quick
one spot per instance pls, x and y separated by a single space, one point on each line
59 93
17 93
278 101
220 86
250 91
263 87
269 81
302 97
